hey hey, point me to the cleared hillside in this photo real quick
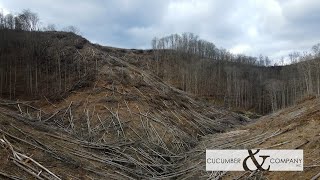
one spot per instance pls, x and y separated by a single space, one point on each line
75 110
296 127
99 115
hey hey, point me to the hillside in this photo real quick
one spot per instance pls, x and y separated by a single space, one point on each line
70 109
296 127
86 111
236 81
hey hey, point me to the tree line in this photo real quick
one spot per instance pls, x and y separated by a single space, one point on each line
199 67
31 65
35 64
29 21
190 44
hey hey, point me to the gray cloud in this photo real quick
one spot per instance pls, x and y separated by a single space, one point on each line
271 27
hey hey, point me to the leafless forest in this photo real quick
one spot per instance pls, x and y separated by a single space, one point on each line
71 109
185 61
199 67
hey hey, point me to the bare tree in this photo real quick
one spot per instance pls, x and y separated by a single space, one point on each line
9 21
27 21
2 20
34 21
50 27
72 29
316 50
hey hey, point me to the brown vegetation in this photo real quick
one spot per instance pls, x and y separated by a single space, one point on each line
71 109
123 122
291 128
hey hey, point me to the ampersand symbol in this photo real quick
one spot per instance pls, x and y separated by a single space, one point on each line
253 158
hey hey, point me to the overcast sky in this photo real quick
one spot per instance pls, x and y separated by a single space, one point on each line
270 27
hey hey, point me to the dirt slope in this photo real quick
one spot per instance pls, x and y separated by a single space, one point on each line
296 127
122 123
